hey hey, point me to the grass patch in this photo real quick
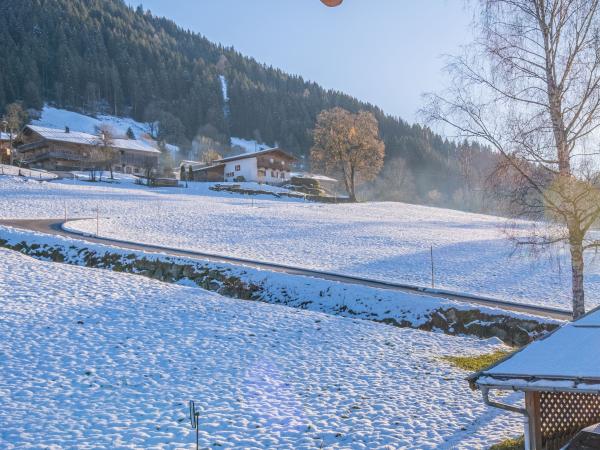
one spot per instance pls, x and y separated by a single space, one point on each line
510 444
477 362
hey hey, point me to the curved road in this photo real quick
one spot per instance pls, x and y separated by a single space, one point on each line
55 227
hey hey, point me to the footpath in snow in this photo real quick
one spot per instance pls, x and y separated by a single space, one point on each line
92 356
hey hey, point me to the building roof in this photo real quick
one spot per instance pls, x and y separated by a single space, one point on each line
567 359
207 167
78 137
255 154
4 136
313 176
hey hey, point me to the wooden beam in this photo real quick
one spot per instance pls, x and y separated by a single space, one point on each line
532 405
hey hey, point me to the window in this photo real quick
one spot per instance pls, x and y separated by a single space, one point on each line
238 168
273 174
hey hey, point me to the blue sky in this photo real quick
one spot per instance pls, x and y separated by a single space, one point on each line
387 52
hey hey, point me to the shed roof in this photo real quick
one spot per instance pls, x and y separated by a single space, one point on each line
78 137
255 154
313 176
207 167
566 360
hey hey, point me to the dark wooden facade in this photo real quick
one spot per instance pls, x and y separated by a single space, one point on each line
37 151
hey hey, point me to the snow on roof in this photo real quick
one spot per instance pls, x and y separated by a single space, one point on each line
4 136
254 154
566 359
313 176
134 144
78 137
207 167
249 146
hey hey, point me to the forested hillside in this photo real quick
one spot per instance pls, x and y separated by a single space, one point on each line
103 56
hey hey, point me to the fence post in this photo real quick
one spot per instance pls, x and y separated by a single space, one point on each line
431 255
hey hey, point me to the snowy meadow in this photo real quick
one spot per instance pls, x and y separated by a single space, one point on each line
89 355
387 241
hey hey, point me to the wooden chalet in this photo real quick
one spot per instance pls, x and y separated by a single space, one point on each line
271 166
56 149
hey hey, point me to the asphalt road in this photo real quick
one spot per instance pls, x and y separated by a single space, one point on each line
54 227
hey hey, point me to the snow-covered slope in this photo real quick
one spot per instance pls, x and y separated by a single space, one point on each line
90 358
389 241
59 118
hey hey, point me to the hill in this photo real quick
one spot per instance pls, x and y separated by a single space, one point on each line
102 56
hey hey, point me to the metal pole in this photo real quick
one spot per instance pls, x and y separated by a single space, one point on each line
431 254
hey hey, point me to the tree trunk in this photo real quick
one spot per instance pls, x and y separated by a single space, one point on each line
352 185
577 278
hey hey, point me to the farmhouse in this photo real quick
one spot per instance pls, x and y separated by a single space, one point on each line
272 166
58 149
560 378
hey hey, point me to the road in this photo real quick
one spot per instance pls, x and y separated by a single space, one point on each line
54 227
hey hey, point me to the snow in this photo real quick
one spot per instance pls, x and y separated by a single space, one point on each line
59 118
90 356
78 137
37 174
249 146
381 240
224 88
282 288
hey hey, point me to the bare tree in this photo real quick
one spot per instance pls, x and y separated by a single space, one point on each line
529 86
348 144
208 156
108 153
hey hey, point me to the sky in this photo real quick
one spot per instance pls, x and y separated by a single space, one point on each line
386 52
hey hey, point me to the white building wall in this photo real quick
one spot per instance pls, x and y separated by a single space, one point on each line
248 169
241 168
275 176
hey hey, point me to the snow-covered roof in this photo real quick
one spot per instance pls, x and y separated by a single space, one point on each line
78 137
313 176
206 167
255 154
135 144
567 359
4 136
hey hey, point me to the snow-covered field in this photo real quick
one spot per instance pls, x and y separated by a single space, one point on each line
388 241
90 358
6 169
60 118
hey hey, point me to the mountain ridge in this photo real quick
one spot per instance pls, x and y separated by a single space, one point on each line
103 56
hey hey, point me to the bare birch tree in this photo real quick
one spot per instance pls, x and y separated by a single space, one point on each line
529 86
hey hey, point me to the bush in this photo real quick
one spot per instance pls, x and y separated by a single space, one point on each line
240 179
477 362
510 444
